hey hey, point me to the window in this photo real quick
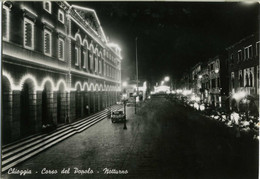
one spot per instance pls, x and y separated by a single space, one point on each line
240 77
28 30
213 83
47 6
105 69
100 67
232 80
61 49
248 52
251 77
5 23
257 48
232 58
77 56
257 79
61 16
84 59
96 65
239 57
47 42
91 61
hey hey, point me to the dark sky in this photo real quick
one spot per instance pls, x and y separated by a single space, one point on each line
173 36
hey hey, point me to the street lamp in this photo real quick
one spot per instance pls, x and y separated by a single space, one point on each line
166 78
124 99
124 84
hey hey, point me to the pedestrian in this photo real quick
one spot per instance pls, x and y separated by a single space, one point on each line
235 118
87 109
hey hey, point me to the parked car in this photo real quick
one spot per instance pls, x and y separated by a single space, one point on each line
117 116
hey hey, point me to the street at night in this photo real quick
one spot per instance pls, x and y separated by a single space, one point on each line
163 140
130 89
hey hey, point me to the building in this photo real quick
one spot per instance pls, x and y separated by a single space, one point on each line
196 83
131 90
57 66
185 81
203 81
218 80
243 59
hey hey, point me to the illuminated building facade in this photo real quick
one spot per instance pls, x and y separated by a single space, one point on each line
57 66
196 83
217 80
243 59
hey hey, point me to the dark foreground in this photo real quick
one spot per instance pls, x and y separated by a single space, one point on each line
165 140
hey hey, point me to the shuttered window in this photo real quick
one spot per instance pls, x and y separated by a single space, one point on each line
61 49
28 34
47 42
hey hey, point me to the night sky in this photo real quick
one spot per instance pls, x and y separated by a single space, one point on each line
173 36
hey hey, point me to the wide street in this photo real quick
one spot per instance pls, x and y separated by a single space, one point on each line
163 140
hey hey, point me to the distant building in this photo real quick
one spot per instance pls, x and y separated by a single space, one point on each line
243 59
57 66
203 81
131 89
185 81
218 80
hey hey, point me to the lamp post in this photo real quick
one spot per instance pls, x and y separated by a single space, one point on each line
124 99
136 68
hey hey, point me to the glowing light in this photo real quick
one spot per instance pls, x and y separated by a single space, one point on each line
48 23
216 70
87 31
11 81
202 107
200 76
29 77
179 91
186 92
26 22
96 87
61 81
49 80
235 117
124 84
162 82
61 32
6 37
77 35
114 45
193 98
196 106
197 99
167 78
239 95
23 7
124 96
78 83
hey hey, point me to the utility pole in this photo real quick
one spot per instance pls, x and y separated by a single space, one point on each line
136 69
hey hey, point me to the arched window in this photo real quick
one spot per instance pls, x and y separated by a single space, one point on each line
77 52
47 6
251 79
247 80
240 80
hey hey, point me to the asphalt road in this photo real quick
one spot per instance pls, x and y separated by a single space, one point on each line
164 140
